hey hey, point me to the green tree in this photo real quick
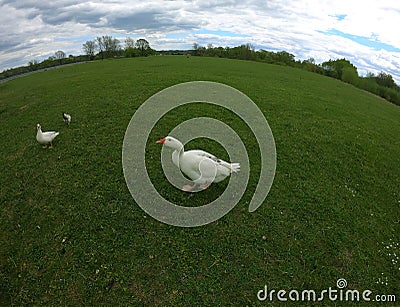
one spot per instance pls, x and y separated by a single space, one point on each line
210 50
265 56
284 57
59 55
100 45
242 52
131 52
143 46
195 49
89 48
115 47
33 65
310 65
385 80
201 50
350 75
335 68
108 46
129 43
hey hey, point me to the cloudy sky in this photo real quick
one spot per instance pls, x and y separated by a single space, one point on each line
363 31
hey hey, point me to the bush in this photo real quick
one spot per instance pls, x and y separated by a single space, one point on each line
349 75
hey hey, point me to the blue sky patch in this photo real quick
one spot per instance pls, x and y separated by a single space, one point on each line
76 38
175 35
340 17
365 41
221 33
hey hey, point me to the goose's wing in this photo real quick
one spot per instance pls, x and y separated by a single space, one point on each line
221 164
202 153
50 135
223 167
199 166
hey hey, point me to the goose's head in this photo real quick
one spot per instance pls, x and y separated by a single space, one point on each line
38 127
171 142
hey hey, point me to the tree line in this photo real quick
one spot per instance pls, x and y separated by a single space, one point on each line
381 84
102 47
107 47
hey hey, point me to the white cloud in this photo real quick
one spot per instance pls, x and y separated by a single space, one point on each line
31 30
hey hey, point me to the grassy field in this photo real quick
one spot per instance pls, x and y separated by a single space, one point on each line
71 234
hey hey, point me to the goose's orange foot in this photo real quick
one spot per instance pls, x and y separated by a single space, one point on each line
205 186
187 188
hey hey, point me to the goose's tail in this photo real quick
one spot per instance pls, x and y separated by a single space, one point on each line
235 167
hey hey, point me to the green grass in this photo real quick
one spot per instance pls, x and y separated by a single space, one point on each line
70 232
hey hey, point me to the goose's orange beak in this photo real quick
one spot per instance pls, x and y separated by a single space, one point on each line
162 141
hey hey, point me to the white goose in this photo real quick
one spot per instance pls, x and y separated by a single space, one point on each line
200 166
45 138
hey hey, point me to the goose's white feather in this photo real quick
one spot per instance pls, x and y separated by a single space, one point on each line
200 166
45 137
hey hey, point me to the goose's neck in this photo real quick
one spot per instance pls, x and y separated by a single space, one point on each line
179 147
177 155
180 151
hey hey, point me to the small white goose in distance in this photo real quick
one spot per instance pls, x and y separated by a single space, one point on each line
200 166
45 138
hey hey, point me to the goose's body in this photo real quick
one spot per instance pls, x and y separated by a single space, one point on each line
45 138
200 166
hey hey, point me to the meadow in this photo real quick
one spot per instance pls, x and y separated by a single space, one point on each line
71 234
